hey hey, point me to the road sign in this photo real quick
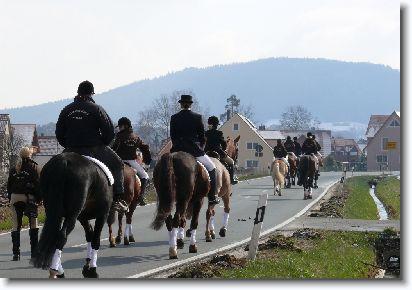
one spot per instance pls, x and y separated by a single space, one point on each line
390 145
260 213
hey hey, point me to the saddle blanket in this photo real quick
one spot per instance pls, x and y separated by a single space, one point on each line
204 168
103 167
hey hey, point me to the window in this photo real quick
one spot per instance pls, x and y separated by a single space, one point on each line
381 158
235 127
252 163
249 145
394 123
384 143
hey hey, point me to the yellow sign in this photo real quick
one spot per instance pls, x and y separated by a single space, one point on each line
391 145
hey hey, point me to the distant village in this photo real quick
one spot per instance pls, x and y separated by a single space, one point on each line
378 151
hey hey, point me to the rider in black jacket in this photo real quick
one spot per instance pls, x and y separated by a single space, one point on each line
298 148
85 128
216 142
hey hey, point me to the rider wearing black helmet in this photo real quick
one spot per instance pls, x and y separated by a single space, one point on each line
85 128
216 142
309 145
280 152
289 145
298 148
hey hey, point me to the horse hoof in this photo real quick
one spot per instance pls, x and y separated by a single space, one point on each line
309 197
118 239
280 194
85 270
60 276
188 233
90 273
192 249
53 274
208 238
222 232
112 242
212 235
126 241
305 197
131 239
180 243
172 253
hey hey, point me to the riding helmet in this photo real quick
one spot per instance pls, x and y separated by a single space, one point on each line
85 88
309 134
213 120
123 121
288 138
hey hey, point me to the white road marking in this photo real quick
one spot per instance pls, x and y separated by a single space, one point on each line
231 246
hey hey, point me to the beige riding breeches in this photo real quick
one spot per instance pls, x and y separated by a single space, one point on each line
17 212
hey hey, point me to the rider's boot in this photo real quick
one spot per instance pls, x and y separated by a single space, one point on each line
118 202
15 238
34 240
212 195
233 179
142 199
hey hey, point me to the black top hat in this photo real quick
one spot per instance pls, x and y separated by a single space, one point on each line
186 99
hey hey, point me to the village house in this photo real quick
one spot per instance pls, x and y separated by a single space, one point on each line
384 143
48 147
5 137
346 150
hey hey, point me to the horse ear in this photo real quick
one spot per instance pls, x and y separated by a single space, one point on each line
237 139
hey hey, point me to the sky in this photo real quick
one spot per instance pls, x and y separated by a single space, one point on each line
48 47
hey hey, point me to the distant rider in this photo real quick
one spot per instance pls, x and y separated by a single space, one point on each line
298 148
216 142
85 128
125 145
188 135
280 153
289 145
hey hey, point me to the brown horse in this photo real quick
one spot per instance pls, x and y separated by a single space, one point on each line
232 149
181 181
292 160
131 196
307 173
224 191
279 170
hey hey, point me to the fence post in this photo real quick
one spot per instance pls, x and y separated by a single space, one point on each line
257 227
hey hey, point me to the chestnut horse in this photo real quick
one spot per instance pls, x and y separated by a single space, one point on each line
232 148
131 196
180 182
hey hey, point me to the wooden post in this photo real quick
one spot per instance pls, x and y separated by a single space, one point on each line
257 227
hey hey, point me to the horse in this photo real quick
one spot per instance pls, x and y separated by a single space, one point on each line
292 160
307 173
181 181
73 188
232 149
224 191
131 197
279 170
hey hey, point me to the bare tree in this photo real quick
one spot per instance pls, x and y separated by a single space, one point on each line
233 106
298 118
10 149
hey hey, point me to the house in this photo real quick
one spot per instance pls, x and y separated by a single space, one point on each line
375 123
5 137
384 146
254 150
48 147
346 150
26 134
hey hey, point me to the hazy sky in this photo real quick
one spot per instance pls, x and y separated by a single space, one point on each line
48 47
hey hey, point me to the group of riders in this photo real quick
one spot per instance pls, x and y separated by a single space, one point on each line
309 147
85 128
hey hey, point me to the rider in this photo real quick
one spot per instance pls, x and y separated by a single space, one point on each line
298 148
188 135
289 145
125 145
24 196
216 142
280 152
318 148
85 128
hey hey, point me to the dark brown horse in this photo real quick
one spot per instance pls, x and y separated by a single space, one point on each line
307 173
291 178
180 182
131 196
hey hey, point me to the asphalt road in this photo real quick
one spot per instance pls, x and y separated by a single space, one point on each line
151 248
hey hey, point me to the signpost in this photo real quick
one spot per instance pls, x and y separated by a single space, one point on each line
390 145
260 213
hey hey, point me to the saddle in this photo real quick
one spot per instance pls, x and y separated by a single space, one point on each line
216 155
103 167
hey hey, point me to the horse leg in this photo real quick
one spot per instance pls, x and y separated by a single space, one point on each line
172 237
120 229
88 229
129 238
226 204
208 224
95 245
110 222
181 233
197 205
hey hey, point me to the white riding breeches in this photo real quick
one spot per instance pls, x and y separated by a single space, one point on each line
207 162
139 169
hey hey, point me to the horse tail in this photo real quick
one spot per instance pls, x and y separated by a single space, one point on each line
52 184
278 175
165 181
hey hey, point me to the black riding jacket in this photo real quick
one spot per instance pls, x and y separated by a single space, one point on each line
84 124
289 146
279 151
309 146
298 148
215 142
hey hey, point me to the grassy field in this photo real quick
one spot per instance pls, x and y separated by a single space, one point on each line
359 204
334 255
389 193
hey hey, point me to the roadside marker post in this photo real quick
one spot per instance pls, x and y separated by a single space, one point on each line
257 227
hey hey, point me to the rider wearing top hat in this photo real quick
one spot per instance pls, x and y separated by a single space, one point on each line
188 135
125 145
216 142
85 128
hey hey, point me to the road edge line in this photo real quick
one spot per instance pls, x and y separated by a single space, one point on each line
233 245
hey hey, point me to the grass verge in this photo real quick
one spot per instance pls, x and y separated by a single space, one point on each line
389 193
359 204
